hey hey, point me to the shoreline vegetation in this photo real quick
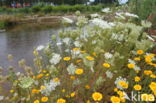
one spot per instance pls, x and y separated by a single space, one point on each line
12 16
94 63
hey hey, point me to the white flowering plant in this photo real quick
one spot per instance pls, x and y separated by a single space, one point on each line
96 58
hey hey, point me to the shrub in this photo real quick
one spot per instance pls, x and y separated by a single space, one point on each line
47 9
36 9
144 7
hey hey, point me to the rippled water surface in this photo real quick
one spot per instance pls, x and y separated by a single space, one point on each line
20 42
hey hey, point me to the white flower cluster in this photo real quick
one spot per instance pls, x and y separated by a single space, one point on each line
108 55
40 47
49 87
101 23
67 20
136 68
55 59
119 79
106 10
71 69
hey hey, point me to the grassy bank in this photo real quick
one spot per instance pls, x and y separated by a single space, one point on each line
8 20
54 9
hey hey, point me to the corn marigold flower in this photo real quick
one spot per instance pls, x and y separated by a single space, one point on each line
82 51
97 96
42 87
115 89
66 58
115 99
137 79
75 49
153 76
87 86
63 90
137 58
121 83
79 71
61 100
148 72
72 94
56 80
44 99
137 87
90 58
72 77
140 52
131 66
12 91
106 65
120 93
36 101
35 91
39 76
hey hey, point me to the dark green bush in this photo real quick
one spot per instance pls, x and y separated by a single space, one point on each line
47 9
144 8
36 9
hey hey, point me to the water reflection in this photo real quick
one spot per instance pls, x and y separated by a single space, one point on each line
20 42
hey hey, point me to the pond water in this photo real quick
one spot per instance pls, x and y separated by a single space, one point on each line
21 40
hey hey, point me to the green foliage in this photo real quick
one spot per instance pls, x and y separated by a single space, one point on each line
36 9
144 7
47 9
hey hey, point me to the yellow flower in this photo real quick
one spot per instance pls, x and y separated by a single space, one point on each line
115 89
42 87
140 52
66 58
123 84
115 99
97 96
87 87
88 101
120 93
106 65
75 49
79 71
44 99
63 90
11 91
39 76
35 52
137 87
82 51
44 71
47 75
78 61
137 59
148 59
72 94
36 101
131 66
137 79
147 72
61 100
90 58
153 86
122 99
94 54
72 77
35 91
153 76
56 79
